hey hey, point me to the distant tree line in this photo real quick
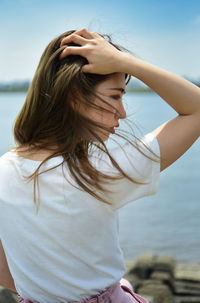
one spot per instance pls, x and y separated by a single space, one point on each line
134 85
15 86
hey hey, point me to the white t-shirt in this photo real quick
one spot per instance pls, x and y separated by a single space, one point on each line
70 250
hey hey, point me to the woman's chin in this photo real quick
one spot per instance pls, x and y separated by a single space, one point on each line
103 135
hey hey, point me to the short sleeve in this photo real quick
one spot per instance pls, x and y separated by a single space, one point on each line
137 165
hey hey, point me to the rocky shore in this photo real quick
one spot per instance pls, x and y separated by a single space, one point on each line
160 280
157 278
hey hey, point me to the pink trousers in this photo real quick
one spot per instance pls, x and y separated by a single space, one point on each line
120 292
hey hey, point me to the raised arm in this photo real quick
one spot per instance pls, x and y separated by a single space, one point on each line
174 136
177 135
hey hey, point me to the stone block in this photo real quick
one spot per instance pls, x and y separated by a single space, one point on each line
186 299
188 272
150 299
144 265
154 288
188 288
165 263
165 278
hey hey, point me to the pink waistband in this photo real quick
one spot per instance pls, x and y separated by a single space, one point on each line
100 297
92 299
114 293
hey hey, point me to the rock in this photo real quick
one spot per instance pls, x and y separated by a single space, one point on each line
150 299
188 272
186 299
7 296
165 278
160 292
161 280
143 267
165 263
187 288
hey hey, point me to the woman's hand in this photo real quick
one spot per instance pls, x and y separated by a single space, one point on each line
102 57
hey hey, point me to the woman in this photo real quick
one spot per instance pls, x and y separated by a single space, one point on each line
69 250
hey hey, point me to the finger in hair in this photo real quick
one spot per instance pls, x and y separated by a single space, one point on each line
72 50
73 38
84 33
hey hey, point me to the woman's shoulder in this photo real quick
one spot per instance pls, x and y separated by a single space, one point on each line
134 156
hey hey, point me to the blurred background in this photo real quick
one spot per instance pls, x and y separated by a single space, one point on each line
164 33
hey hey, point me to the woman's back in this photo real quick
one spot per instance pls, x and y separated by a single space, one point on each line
54 255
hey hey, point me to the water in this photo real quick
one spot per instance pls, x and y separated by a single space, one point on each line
166 223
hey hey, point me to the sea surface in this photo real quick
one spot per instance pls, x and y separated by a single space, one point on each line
165 223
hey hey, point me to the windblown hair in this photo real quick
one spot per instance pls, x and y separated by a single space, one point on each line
49 117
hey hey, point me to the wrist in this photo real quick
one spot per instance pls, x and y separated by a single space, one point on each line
122 63
131 65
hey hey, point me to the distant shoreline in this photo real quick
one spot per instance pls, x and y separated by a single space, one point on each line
136 90
132 87
13 91
128 90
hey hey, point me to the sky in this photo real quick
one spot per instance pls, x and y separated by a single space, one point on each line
164 33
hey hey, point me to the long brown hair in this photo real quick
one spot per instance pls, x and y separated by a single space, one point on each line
49 117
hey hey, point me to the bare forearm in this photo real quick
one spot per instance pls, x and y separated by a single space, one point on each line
180 94
6 279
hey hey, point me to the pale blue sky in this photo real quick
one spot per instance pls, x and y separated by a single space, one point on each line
164 33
